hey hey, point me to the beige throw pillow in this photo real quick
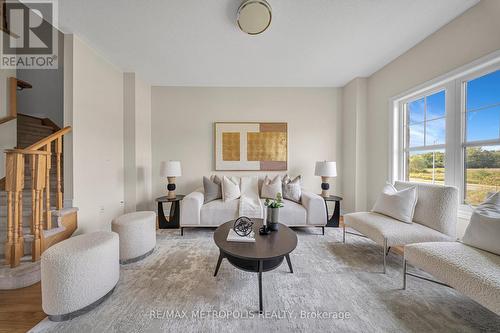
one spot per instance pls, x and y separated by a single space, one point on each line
399 205
230 188
270 188
483 230
292 189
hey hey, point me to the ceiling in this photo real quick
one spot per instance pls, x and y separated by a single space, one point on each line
310 43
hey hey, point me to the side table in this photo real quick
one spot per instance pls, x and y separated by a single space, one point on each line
334 221
174 218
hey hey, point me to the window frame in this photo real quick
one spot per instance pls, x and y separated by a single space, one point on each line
454 84
463 124
448 146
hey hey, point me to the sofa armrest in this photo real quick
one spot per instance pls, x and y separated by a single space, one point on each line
191 206
316 208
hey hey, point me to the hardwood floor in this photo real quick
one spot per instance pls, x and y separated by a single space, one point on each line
20 309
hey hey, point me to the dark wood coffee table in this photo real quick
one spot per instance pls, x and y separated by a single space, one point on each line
266 254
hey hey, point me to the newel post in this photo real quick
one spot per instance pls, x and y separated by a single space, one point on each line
14 185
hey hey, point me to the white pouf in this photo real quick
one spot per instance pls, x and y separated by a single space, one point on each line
79 273
137 233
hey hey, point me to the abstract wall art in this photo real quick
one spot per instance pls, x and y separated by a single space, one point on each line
251 146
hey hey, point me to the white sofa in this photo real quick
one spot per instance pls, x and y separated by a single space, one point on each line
471 271
434 220
311 212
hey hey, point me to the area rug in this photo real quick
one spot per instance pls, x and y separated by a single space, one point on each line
335 287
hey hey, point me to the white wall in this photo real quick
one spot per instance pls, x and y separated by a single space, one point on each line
143 156
353 161
45 99
97 139
8 130
182 128
137 143
130 184
472 35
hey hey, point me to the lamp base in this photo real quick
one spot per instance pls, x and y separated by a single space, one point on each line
325 187
171 188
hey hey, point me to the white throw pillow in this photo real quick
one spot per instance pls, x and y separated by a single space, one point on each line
399 205
483 230
230 188
270 188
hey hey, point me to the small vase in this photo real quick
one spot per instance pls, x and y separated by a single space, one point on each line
273 218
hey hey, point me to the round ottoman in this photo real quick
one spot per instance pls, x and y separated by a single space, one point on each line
79 273
137 233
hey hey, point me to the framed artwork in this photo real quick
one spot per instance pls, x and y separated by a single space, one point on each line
251 146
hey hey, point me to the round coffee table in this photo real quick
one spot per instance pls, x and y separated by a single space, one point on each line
263 255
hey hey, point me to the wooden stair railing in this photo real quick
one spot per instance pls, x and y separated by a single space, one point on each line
39 155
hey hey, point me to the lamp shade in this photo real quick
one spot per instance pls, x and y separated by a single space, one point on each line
170 169
325 169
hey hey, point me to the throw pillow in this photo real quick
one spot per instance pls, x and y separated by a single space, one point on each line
483 230
292 189
270 188
399 205
230 188
212 188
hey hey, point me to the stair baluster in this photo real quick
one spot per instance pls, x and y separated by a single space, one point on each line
39 181
39 156
48 218
59 194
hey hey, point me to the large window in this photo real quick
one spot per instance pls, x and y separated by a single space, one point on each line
450 134
482 136
425 138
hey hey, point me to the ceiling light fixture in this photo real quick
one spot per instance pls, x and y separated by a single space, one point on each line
254 16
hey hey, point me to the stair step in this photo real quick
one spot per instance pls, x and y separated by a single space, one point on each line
21 118
28 131
23 124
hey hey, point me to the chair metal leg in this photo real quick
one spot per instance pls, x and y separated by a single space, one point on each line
343 233
404 275
385 254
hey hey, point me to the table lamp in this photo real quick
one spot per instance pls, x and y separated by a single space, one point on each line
170 170
325 170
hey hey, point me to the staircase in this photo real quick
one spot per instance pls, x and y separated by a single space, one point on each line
33 191
29 131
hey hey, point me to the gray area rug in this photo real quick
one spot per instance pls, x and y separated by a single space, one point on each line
335 288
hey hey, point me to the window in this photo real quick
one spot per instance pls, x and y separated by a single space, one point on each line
425 130
482 137
449 132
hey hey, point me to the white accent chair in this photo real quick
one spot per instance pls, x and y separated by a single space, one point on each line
310 212
137 233
79 273
471 271
434 220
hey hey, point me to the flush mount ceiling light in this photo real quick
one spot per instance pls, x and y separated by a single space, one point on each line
254 16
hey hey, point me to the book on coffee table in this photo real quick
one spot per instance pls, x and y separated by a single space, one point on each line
232 236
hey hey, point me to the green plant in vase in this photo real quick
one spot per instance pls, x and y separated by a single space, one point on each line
273 206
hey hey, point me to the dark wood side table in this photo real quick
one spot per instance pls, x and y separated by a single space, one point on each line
174 218
334 221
